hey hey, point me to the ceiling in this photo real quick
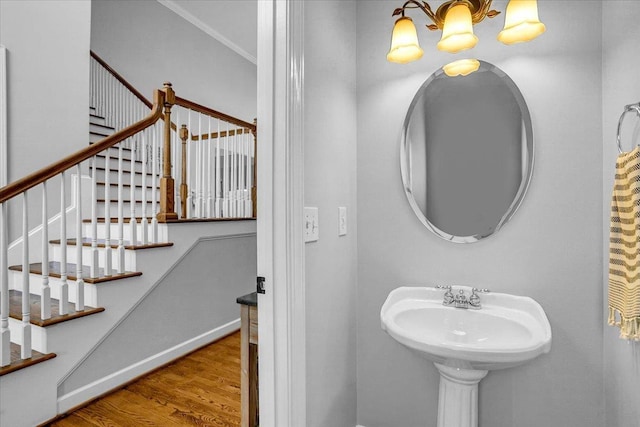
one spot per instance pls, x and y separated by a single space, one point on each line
232 22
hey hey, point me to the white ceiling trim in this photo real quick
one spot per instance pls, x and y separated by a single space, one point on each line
173 6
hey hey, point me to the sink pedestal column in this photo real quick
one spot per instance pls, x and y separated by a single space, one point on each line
458 396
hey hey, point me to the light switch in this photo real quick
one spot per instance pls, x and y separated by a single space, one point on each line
342 221
311 229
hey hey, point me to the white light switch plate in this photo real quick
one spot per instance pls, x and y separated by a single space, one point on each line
342 221
311 229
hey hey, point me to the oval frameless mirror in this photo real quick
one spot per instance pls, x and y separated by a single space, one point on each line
466 153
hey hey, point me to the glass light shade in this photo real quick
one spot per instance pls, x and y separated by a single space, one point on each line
404 42
521 22
462 67
457 34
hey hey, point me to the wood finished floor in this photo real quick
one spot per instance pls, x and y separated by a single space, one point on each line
201 389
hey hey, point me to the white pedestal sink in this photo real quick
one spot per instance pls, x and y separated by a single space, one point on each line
465 344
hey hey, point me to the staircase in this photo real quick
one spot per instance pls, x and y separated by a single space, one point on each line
71 282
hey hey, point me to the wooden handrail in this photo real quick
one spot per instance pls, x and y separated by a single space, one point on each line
38 177
222 134
213 113
122 80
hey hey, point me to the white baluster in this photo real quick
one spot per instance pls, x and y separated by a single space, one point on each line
5 334
209 210
250 175
92 82
25 327
154 184
198 210
133 222
100 89
108 252
64 286
118 107
217 178
95 264
189 178
225 177
79 242
247 204
176 162
45 294
234 174
242 174
110 102
120 250
144 224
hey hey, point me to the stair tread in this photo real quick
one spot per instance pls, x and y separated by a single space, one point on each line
126 220
93 132
17 363
115 184
116 158
54 271
185 220
114 148
125 201
86 241
100 168
103 126
15 310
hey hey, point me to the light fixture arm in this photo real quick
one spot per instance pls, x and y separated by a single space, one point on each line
479 10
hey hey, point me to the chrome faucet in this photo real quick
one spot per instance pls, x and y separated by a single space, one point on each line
460 300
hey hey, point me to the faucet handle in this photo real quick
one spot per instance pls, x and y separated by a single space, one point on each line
476 290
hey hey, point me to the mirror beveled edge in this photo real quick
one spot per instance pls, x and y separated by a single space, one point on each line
405 156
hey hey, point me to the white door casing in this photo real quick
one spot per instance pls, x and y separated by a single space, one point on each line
281 310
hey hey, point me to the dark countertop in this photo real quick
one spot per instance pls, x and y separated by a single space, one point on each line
249 299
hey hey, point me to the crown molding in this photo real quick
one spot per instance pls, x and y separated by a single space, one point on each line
178 10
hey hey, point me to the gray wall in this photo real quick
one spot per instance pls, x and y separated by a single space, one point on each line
47 91
148 44
47 80
330 182
621 86
196 295
551 249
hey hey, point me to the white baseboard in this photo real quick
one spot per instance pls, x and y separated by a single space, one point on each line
115 380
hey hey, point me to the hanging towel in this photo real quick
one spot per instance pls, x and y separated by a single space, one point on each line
624 247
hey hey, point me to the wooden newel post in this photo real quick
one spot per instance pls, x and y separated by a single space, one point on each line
167 203
254 187
184 189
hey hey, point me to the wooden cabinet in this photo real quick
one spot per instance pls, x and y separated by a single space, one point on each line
249 359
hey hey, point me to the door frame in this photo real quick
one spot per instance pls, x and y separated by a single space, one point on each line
280 182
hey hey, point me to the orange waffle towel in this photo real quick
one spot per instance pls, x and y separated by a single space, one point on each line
624 247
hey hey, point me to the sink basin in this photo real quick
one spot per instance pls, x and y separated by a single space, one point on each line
465 344
507 331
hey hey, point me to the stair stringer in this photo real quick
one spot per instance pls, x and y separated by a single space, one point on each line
30 396
192 305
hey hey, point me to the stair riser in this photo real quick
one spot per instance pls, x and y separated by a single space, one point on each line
114 152
114 233
87 254
96 120
38 335
95 138
99 129
126 178
113 192
126 210
35 287
126 163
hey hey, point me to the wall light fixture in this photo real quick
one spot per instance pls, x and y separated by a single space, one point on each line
456 18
